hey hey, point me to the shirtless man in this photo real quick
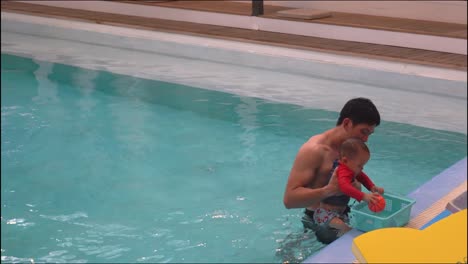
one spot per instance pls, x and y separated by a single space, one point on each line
311 179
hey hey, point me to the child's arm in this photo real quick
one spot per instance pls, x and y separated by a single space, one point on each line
367 182
345 177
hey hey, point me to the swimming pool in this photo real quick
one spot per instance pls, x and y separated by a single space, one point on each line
105 162
102 167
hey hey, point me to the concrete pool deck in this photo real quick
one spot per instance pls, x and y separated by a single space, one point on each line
402 40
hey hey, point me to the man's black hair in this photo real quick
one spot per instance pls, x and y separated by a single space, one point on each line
360 111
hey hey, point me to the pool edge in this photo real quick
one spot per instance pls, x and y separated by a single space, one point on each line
425 195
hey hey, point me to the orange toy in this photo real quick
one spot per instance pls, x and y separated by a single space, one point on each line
377 206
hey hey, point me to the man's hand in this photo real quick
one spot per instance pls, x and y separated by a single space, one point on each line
377 189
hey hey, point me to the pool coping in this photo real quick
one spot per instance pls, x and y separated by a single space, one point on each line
430 213
62 26
266 23
425 195
157 23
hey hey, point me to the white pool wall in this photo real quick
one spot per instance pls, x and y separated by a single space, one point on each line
426 96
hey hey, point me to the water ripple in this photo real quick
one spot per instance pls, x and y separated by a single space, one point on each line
112 252
178 243
161 232
220 214
150 258
60 256
107 251
65 218
12 259
190 246
15 221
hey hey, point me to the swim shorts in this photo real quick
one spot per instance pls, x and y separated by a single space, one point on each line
323 216
324 233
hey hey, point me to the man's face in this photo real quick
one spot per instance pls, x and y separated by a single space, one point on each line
361 131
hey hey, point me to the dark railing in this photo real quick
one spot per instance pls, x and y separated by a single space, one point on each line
257 7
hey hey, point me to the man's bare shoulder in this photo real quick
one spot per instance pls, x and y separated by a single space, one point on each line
314 147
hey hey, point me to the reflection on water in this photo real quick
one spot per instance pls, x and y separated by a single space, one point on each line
247 111
130 130
86 82
46 89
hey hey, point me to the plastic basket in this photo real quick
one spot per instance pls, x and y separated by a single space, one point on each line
396 213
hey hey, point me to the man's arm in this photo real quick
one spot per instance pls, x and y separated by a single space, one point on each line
303 172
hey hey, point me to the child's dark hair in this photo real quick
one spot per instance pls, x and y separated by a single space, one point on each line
351 147
360 111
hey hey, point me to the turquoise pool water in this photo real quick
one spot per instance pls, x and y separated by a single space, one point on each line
100 167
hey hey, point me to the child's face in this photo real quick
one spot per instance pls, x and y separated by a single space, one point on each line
357 163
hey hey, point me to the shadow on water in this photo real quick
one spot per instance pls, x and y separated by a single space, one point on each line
297 246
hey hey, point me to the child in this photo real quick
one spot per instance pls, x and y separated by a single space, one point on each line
332 212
